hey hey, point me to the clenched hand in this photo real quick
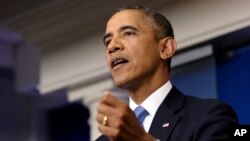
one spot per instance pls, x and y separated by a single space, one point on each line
121 124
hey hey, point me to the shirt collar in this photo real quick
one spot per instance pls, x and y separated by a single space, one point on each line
152 103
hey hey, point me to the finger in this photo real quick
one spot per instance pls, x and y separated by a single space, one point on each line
111 100
117 109
106 109
115 118
117 134
100 119
111 121
108 131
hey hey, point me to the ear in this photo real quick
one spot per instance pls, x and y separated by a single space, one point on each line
168 48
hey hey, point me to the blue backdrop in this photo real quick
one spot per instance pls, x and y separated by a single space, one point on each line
228 80
233 82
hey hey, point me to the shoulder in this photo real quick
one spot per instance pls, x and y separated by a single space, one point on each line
211 118
206 105
181 102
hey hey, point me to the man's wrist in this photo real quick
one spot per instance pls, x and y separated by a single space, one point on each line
148 137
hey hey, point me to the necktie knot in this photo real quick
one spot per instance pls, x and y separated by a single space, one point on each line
141 114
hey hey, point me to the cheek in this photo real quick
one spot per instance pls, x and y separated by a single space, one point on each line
140 60
143 53
148 58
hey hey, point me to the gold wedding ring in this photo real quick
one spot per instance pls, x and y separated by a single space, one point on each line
104 121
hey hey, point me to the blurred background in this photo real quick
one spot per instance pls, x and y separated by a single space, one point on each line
53 69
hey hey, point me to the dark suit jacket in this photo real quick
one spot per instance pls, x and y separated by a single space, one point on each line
191 119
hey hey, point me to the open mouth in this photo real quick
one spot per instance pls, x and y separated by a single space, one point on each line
117 61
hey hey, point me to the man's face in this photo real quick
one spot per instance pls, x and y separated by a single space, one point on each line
132 52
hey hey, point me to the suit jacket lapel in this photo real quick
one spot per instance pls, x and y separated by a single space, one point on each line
167 114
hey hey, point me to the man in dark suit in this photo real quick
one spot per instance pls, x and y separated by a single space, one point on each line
139 45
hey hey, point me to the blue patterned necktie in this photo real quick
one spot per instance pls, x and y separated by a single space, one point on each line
141 114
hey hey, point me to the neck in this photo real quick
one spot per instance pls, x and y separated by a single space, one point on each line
144 88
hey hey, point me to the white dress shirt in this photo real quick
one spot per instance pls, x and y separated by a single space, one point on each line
152 103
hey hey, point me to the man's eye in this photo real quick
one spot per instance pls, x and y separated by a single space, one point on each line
129 33
107 43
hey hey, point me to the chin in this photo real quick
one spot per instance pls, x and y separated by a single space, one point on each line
121 83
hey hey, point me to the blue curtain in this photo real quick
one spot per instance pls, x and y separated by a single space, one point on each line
233 82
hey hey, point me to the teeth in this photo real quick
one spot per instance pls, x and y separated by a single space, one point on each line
117 62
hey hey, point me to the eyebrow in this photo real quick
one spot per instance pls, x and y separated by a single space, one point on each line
120 29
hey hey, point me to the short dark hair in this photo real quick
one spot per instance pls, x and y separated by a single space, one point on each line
162 26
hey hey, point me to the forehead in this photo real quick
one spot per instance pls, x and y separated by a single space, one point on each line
125 17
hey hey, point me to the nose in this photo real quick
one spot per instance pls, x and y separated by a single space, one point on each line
115 45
